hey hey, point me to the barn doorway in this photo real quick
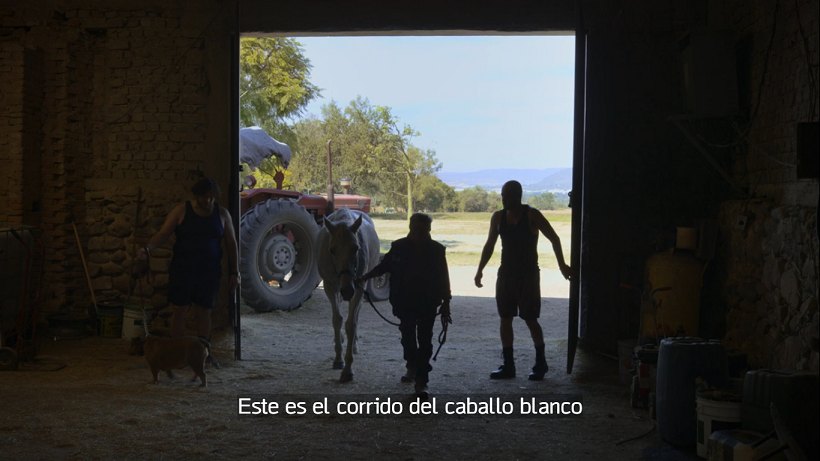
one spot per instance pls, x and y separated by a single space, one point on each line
431 85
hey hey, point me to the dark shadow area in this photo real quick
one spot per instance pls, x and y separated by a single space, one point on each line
288 359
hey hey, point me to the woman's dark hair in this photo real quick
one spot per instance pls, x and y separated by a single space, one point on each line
204 186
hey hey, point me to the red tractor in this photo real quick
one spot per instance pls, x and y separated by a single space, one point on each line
278 231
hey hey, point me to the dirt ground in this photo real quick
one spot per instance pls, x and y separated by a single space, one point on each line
88 399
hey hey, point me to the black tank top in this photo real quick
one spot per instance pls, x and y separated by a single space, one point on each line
519 246
198 244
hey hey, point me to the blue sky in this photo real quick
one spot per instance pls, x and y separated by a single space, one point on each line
481 102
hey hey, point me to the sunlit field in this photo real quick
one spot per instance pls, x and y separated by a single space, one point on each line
464 235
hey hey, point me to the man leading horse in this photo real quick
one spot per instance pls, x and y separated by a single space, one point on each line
419 283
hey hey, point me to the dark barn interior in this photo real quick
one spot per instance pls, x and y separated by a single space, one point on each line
691 115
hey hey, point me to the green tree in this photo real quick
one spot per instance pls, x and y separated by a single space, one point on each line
384 154
363 139
432 194
308 167
543 201
368 148
274 88
353 138
473 199
494 201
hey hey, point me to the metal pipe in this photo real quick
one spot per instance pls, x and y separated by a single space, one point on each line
234 204
330 200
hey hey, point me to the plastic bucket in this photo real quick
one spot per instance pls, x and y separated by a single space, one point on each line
132 322
680 361
109 320
716 412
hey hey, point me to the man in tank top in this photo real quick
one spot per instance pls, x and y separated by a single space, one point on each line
518 290
201 227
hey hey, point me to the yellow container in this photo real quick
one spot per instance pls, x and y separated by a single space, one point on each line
676 310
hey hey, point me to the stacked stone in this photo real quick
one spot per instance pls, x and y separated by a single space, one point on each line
113 238
771 283
11 133
97 91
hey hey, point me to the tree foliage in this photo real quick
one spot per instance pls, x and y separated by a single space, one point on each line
368 147
432 194
543 201
474 199
308 164
274 82
274 89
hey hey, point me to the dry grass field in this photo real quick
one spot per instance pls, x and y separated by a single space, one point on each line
464 235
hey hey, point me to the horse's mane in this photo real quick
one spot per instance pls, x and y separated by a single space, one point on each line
347 216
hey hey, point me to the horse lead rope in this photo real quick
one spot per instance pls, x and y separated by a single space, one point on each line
369 301
442 336
140 278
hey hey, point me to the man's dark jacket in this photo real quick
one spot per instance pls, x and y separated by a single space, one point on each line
419 279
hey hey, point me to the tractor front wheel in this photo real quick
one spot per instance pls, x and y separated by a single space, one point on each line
278 255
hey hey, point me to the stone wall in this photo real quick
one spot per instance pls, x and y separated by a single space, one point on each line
118 97
11 132
120 219
769 258
769 281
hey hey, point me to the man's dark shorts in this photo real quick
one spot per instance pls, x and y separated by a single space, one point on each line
519 296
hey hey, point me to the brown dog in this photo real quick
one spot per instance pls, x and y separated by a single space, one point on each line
167 354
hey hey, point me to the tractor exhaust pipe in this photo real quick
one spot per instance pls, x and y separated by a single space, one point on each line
330 199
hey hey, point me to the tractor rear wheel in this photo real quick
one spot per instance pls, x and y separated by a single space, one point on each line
277 255
378 288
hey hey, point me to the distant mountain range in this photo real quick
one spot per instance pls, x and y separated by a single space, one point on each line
549 179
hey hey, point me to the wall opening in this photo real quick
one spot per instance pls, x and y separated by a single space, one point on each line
489 108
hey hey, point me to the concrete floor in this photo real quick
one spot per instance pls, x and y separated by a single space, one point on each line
88 399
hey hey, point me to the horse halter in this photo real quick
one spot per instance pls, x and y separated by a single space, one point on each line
351 267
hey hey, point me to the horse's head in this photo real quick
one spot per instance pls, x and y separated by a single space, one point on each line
343 247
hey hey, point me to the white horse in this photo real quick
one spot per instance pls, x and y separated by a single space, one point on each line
348 249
